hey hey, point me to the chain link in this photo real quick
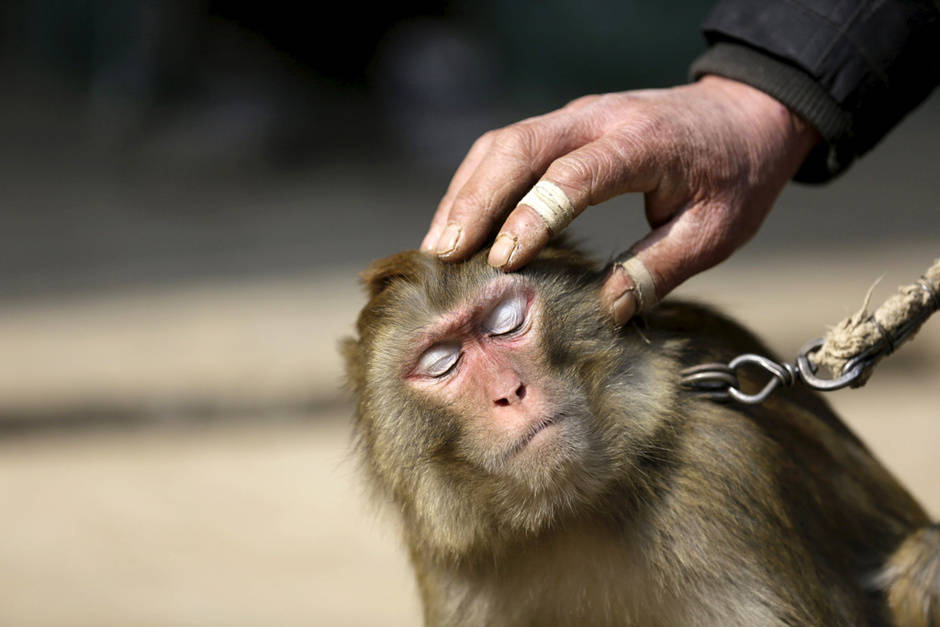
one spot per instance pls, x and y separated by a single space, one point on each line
720 382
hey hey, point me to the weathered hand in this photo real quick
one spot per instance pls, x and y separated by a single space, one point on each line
710 157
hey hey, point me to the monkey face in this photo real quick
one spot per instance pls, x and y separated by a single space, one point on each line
483 360
483 398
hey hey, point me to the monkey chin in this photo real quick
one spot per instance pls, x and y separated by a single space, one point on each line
536 435
547 449
549 474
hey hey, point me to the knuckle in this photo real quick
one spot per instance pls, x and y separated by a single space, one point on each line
588 171
573 170
613 100
583 101
640 143
517 140
484 141
635 112
472 206
642 124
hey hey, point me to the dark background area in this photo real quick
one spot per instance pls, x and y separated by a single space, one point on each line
150 142
146 142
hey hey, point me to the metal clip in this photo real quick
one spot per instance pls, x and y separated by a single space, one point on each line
716 381
720 382
712 381
850 373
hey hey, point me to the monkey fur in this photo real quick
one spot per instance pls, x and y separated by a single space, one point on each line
646 505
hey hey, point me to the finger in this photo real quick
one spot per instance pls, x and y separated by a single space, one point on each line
694 240
434 231
590 175
621 295
469 164
516 157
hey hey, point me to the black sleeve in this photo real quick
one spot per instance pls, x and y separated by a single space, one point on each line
851 68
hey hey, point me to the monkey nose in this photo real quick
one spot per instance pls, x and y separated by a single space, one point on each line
513 397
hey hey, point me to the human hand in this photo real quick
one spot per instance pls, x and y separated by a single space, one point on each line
711 157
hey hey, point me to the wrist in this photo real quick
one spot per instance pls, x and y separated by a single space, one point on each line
799 90
778 128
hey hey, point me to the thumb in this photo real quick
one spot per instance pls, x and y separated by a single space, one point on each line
654 266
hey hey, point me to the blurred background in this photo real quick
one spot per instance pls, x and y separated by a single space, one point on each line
187 191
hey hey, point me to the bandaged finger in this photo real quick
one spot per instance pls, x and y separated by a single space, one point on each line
552 204
644 288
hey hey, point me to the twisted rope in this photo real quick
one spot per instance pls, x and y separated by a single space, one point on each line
880 332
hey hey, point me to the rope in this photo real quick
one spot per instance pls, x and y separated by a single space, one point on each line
881 332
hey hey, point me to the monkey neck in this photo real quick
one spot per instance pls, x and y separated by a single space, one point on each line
583 536
590 570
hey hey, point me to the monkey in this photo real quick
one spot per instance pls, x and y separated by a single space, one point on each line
547 467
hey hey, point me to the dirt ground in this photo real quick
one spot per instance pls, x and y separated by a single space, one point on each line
242 520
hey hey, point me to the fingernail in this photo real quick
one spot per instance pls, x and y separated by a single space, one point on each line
624 307
502 250
447 243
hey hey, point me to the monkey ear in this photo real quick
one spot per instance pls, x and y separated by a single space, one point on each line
407 266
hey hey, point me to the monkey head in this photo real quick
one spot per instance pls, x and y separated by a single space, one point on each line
548 469
486 403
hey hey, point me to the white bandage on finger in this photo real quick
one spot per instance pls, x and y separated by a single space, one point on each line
645 286
549 201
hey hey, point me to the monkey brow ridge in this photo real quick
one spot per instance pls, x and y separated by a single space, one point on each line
461 316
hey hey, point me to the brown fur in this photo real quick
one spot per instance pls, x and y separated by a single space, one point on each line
912 578
680 511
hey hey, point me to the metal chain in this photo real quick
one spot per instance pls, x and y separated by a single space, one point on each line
719 382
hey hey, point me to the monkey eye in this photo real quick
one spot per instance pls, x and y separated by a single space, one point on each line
439 359
507 316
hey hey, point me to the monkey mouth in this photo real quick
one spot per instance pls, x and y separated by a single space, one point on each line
533 431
